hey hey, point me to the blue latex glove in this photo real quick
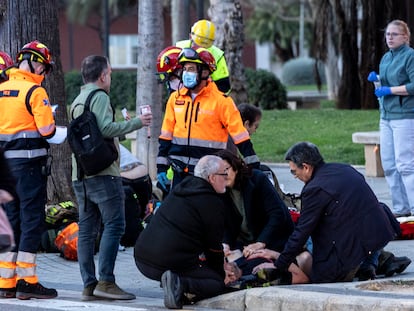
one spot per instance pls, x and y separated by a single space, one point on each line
373 76
163 180
383 91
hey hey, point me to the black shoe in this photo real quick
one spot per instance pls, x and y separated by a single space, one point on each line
8 292
367 273
26 291
173 291
396 265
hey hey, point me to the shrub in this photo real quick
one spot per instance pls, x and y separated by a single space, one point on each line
123 88
73 83
265 90
301 71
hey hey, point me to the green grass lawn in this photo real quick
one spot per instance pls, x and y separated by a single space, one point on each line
330 129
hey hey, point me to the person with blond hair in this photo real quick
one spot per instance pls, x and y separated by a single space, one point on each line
396 101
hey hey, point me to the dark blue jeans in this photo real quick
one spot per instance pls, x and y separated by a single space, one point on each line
104 202
371 260
27 212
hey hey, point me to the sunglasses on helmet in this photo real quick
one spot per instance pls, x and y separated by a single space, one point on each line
189 54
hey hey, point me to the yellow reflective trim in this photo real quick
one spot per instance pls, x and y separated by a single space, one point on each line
30 279
7 265
25 265
8 282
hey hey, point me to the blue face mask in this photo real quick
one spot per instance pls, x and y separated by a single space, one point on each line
189 79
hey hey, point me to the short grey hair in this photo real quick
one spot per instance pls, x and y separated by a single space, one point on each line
304 152
207 165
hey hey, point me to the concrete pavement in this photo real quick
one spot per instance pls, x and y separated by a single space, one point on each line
63 275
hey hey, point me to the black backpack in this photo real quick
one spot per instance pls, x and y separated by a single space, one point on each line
92 151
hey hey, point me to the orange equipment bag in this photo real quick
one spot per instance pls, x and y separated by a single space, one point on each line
67 241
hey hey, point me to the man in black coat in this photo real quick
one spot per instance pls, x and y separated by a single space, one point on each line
339 212
181 246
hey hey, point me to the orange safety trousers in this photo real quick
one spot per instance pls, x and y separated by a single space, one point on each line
16 266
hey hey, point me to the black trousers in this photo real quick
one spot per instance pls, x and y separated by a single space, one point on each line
201 281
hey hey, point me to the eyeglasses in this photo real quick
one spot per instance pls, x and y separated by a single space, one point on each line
226 173
393 34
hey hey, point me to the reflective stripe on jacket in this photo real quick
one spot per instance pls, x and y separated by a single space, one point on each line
194 128
23 132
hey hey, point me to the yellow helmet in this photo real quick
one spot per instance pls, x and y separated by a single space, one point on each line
203 33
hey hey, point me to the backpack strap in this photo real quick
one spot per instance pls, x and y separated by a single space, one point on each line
88 103
28 95
90 95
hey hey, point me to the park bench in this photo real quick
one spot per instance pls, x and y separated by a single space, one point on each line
371 142
305 99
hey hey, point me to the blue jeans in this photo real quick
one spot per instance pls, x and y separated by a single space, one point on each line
27 212
397 157
371 260
104 202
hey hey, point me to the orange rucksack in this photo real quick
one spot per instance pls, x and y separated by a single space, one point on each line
67 241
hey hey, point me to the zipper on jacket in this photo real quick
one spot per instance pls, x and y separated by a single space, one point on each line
196 112
186 115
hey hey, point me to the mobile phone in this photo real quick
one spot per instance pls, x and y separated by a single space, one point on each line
125 113
145 109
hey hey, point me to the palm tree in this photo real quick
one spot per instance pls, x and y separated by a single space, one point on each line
150 43
228 19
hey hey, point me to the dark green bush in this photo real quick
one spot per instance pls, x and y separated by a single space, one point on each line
73 83
265 90
301 71
123 88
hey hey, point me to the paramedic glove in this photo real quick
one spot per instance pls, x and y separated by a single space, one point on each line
163 180
383 91
373 76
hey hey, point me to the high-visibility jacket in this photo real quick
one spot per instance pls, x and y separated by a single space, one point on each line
26 117
192 129
221 75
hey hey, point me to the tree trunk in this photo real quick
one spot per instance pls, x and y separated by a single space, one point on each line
149 91
325 43
25 21
180 30
228 18
375 15
349 89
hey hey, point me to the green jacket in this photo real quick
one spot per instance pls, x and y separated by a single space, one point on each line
397 68
100 105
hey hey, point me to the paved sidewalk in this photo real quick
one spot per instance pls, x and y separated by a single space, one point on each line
64 275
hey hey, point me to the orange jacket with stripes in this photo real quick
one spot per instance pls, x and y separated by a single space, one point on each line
26 117
194 128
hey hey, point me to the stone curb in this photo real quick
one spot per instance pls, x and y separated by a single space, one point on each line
323 297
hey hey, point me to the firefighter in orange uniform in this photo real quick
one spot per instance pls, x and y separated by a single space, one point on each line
6 62
198 119
26 121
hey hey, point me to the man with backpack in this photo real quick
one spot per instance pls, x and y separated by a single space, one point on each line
100 195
